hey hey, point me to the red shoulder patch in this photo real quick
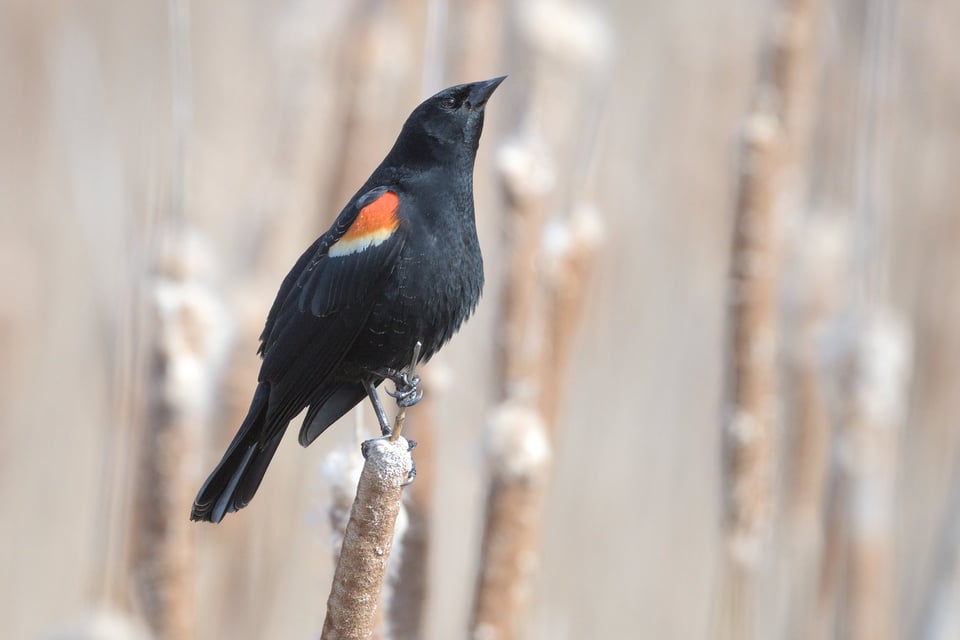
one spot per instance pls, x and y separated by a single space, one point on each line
379 215
374 224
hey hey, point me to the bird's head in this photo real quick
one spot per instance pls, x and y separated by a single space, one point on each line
448 123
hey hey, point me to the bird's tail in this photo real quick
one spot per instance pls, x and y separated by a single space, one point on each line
232 484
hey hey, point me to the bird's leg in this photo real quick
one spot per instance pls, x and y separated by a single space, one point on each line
406 382
407 391
385 428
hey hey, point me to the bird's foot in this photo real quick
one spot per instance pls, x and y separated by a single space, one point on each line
407 391
413 465
365 451
410 476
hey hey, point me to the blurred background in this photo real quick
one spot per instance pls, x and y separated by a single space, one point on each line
163 164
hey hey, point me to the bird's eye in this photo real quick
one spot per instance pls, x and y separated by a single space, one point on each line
450 102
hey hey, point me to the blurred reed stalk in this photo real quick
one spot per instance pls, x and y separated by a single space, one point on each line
551 267
367 541
187 354
880 357
820 257
190 342
773 148
550 247
518 442
880 365
341 470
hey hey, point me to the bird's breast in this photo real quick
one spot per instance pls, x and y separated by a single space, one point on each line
436 285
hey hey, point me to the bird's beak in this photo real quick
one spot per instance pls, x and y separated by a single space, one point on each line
480 92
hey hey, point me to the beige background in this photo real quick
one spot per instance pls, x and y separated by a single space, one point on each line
251 122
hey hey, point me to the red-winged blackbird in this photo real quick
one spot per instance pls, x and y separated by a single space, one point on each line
400 265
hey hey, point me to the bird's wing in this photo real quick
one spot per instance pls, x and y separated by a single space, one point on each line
293 283
325 301
286 287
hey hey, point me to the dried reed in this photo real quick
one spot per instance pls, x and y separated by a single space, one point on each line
820 255
367 541
550 252
880 358
188 354
773 141
878 382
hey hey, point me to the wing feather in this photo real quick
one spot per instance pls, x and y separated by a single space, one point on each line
321 308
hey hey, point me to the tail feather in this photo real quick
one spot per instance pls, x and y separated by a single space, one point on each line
328 408
236 478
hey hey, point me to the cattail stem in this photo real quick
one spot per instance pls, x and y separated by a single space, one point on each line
186 361
550 254
820 253
749 428
519 450
358 580
773 143
877 391
519 445
164 540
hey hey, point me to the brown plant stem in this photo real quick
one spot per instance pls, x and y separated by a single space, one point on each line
877 392
519 451
569 255
186 337
164 544
820 256
186 359
551 245
367 541
748 437
518 443
551 262
773 145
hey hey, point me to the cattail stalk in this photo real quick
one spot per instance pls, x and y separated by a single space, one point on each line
518 444
877 392
773 143
191 341
569 252
820 256
552 260
550 254
519 451
367 541
186 357
881 358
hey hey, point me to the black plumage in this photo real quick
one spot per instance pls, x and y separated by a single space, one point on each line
400 265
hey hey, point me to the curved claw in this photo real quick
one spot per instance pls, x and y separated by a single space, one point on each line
410 476
406 380
411 398
400 393
407 392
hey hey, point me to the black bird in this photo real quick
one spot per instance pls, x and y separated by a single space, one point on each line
400 265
